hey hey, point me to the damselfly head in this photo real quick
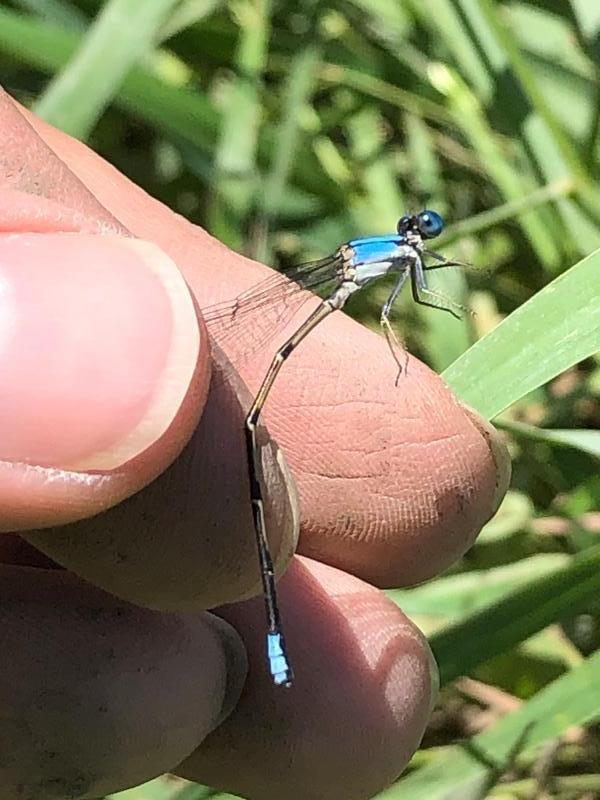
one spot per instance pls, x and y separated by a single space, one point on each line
428 224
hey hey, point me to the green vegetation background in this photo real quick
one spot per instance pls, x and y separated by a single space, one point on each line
285 127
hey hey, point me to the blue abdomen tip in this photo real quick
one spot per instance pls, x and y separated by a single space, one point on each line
279 667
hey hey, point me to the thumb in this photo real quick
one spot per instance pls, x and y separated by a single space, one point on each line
104 373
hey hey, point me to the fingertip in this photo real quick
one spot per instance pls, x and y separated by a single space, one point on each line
139 687
499 453
364 687
102 344
236 664
395 482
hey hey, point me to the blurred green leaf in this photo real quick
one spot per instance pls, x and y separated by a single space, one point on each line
555 155
586 440
60 12
587 15
468 770
77 96
424 161
167 788
376 89
235 158
518 615
380 195
240 124
180 113
511 184
296 93
186 13
184 113
452 597
514 515
495 216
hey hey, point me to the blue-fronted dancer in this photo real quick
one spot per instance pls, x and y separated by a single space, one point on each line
269 305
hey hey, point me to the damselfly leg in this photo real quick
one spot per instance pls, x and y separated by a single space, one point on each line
389 332
425 296
444 262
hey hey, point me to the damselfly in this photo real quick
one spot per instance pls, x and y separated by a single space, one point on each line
269 305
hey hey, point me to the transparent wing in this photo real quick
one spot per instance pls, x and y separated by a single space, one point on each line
243 326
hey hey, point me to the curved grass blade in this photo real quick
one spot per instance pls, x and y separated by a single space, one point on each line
588 441
557 328
467 771
559 593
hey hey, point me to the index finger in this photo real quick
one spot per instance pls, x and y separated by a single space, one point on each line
394 483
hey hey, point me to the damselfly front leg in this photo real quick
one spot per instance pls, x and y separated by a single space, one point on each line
444 262
426 296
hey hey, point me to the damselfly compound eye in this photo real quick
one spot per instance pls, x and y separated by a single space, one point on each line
404 223
430 224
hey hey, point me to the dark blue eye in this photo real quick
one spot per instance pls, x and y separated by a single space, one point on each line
430 224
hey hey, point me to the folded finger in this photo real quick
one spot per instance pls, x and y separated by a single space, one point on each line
364 686
395 482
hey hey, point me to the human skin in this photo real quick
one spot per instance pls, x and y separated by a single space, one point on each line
144 492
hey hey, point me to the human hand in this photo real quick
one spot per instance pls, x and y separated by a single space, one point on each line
126 489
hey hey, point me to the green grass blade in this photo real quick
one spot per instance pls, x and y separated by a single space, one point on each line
452 597
468 771
376 89
235 159
239 134
567 786
179 113
512 184
585 440
587 15
173 110
77 96
499 214
378 203
512 56
553 151
186 13
557 328
388 15
469 88
547 599
166 788
297 91
59 12
425 168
